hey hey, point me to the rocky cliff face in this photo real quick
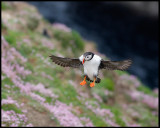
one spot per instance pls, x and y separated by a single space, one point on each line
36 92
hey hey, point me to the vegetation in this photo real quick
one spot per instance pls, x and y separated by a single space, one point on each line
36 92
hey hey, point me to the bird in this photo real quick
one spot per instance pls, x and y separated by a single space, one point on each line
91 63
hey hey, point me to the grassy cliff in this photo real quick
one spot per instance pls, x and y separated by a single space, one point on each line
36 92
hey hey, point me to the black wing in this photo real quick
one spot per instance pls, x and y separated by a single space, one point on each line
66 62
115 65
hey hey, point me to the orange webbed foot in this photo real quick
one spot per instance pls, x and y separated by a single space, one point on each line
83 82
92 84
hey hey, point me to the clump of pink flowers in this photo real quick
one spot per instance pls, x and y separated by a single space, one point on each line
37 97
156 90
97 97
9 100
46 76
111 122
87 122
47 43
105 114
61 27
63 113
27 41
130 124
149 100
12 119
130 79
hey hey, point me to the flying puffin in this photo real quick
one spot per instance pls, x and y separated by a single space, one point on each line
91 63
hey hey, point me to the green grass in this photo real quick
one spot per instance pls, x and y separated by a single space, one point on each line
118 116
70 40
24 50
146 90
4 95
67 94
121 72
13 37
4 6
78 40
117 113
7 81
32 23
7 107
146 117
107 83
96 120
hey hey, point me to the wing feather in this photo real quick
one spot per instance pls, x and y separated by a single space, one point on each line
115 65
66 62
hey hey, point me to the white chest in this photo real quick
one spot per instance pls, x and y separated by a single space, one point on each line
91 67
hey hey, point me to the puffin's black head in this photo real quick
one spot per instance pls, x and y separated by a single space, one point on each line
87 56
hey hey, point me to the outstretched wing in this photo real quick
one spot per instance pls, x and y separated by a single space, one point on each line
115 65
66 62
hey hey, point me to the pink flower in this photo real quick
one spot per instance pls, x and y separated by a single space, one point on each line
87 122
47 43
27 41
148 100
3 77
97 97
37 97
63 113
130 79
13 119
61 27
156 90
46 76
9 100
111 123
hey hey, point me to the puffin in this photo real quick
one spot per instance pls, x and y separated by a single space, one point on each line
91 63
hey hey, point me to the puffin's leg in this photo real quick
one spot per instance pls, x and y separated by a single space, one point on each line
84 81
93 83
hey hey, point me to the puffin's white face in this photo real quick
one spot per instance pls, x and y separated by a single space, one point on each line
88 57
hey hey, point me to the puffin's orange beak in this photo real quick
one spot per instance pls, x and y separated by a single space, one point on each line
83 61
